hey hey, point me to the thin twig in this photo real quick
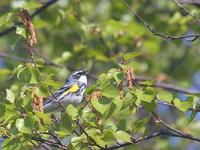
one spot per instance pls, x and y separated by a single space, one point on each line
50 143
165 86
170 37
88 136
187 11
148 137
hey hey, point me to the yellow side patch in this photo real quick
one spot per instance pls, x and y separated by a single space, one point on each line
72 89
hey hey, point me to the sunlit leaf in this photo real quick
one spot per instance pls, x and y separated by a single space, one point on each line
10 96
123 136
132 55
21 32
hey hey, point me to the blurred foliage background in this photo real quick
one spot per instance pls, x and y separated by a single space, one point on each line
96 34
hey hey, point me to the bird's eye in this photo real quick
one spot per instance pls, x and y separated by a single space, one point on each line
77 76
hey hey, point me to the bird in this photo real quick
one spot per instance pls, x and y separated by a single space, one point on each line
71 92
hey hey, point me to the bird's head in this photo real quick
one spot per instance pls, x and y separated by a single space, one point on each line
78 77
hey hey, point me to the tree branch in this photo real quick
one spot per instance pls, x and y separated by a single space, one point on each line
165 86
88 136
154 135
187 11
194 2
38 11
170 37
50 143
171 133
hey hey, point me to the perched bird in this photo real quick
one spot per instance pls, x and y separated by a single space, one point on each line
71 93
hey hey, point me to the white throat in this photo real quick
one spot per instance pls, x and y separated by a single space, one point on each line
83 79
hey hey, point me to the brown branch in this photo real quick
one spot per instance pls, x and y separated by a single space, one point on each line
154 135
170 37
38 11
50 143
171 133
58 140
194 2
165 86
161 102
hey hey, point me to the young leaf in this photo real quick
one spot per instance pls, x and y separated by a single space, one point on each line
21 31
72 111
132 55
20 124
165 96
110 91
183 105
2 109
123 136
10 96
101 105
140 123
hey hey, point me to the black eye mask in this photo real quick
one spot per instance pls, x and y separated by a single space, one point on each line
77 76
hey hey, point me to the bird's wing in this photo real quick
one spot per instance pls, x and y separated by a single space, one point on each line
72 88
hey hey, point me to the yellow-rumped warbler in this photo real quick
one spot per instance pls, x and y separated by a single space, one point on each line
71 93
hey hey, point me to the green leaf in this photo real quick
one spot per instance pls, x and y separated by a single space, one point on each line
2 109
183 105
45 117
21 126
32 5
118 77
5 18
24 74
148 83
192 116
165 96
101 105
128 99
110 91
72 111
40 62
10 96
123 136
139 124
132 55
149 106
4 72
21 31
147 95
42 91
34 76
66 122
108 135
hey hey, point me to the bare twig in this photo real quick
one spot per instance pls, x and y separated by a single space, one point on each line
194 2
165 86
170 37
161 102
148 137
49 143
168 126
